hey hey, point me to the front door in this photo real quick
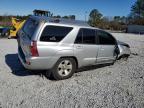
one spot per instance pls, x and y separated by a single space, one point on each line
107 45
85 48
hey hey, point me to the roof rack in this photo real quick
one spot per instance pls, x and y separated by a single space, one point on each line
62 21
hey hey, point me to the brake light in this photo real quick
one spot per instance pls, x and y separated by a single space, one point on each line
33 49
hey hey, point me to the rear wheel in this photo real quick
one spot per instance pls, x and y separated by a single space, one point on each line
64 68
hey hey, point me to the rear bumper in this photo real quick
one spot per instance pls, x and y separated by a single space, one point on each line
36 63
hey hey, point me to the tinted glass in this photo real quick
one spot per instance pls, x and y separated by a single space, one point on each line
86 36
54 33
1 30
79 37
29 27
105 38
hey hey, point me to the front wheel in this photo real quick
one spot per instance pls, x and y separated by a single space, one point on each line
116 52
64 68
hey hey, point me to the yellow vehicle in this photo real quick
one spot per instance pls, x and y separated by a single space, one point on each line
17 24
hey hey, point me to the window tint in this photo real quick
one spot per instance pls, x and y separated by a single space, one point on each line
54 33
29 27
1 30
105 38
86 36
79 37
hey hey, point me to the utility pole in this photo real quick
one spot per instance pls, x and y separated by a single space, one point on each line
85 16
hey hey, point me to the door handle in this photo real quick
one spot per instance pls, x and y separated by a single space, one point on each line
79 47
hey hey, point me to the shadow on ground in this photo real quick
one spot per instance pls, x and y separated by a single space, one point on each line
17 69
93 67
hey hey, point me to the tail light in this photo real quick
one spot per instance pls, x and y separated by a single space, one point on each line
33 49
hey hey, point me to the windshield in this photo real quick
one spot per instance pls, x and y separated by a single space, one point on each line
29 27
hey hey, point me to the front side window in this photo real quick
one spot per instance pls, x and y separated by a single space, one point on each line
54 33
105 38
86 36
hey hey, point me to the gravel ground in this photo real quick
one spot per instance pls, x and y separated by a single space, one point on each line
116 86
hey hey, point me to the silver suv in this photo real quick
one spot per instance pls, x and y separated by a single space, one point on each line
62 46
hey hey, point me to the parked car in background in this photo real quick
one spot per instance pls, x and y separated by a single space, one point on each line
65 45
4 31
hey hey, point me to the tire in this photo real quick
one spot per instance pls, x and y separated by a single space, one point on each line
116 52
64 68
7 33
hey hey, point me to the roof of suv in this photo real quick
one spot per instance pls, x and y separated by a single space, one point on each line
61 21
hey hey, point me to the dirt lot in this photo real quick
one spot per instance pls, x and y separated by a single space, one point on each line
117 86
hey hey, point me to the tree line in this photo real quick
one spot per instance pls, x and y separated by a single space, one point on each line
136 17
5 20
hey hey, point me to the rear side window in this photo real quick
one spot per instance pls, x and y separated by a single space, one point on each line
54 33
29 27
86 36
105 38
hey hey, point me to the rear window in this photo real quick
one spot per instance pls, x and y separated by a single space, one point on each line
30 27
54 33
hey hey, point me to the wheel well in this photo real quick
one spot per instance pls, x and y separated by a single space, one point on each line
124 56
73 58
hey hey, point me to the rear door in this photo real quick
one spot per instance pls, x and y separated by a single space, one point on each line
85 48
50 38
26 34
107 45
